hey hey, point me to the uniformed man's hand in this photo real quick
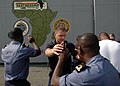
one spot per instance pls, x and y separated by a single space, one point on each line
58 48
64 54
31 39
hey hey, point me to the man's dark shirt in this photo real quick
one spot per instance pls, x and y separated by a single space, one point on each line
68 64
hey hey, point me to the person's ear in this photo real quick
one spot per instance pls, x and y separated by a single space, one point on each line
81 51
54 33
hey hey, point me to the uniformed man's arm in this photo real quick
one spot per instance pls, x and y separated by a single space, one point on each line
57 72
56 75
34 45
38 51
49 52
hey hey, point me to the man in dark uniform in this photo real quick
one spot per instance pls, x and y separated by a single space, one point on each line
96 70
53 49
16 58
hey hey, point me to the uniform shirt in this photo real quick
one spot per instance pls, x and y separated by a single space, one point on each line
67 68
16 60
111 50
99 72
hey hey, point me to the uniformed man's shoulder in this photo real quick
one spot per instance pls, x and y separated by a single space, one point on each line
81 67
50 44
4 46
70 45
24 45
68 42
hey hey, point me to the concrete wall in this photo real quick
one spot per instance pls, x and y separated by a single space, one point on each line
108 16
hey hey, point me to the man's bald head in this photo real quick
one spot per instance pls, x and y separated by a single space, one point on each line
88 42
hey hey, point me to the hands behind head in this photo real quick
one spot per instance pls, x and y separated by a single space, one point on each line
31 39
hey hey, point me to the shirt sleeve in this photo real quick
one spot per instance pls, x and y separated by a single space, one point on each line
28 51
72 79
62 81
50 45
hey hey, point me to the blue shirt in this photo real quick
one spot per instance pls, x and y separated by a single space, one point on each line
16 60
98 73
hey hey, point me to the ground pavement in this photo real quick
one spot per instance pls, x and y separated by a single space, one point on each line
38 75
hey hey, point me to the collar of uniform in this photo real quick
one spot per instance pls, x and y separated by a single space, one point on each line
15 42
92 59
54 41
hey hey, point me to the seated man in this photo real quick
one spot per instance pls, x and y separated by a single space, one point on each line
96 71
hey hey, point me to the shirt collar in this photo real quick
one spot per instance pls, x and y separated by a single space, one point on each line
92 59
54 41
15 42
